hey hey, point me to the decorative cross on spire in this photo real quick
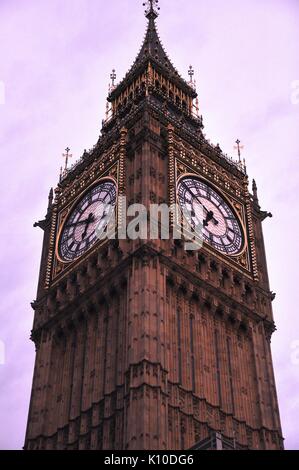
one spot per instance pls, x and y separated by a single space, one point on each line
67 155
191 73
113 77
152 9
239 148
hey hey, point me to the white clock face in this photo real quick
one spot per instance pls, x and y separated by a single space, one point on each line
220 226
90 216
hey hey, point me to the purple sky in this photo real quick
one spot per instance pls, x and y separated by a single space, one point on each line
56 57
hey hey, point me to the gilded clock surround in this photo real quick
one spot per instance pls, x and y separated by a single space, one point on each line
238 208
232 193
65 213
59 265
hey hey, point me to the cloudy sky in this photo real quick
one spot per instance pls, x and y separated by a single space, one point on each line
56 57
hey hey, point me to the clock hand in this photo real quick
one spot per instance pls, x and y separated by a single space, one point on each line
88 222
210 214
200 203
78 223
209 217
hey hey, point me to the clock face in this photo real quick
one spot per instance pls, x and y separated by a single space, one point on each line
90 216
220 226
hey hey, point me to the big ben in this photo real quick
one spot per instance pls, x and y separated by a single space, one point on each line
140 343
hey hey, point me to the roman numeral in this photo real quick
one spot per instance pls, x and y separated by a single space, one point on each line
224 246
71 245
77 247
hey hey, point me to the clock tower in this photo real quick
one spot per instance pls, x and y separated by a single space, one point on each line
141 343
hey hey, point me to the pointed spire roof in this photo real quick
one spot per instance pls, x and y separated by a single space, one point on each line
152 51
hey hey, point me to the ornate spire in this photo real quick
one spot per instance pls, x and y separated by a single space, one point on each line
152 51
152 9
152 47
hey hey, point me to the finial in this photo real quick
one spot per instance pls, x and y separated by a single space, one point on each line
192 82
254 191
107 110
50 197
152 9
113 78
239 148
191 73
197 106
50 200
67 155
